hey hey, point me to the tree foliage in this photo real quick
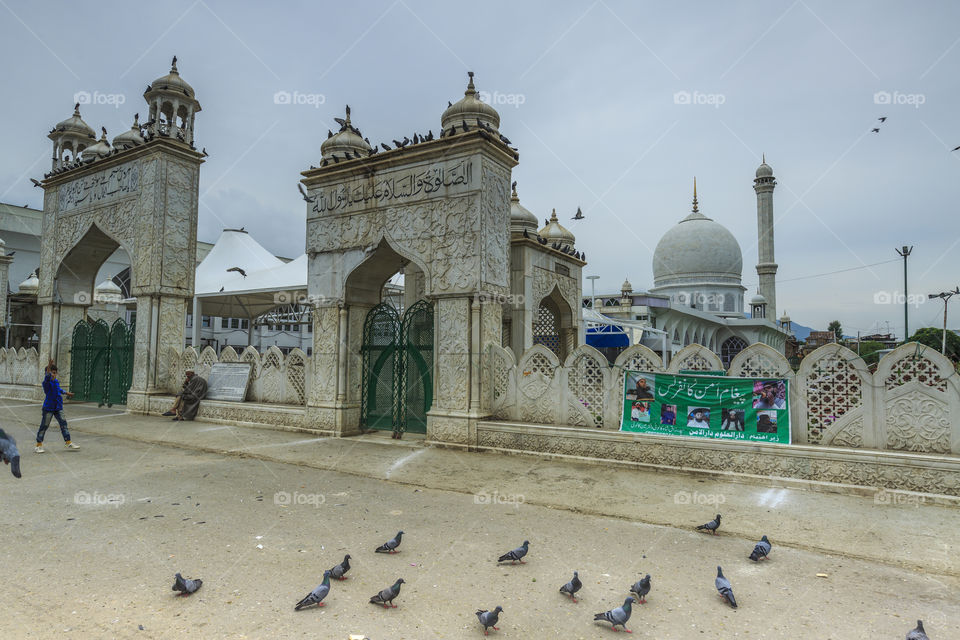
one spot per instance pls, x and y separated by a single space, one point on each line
836 328
933 337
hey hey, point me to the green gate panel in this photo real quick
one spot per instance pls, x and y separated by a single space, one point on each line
121 362
101 361
416 394
380 356
80 361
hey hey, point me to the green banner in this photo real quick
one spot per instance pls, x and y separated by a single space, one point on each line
706 406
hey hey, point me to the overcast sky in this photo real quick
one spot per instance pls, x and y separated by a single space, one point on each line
594 95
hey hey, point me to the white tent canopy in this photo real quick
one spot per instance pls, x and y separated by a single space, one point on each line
223 291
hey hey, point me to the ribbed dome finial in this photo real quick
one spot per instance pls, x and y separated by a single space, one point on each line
173 65
696 209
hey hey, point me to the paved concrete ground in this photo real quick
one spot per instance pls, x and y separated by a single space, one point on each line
92 538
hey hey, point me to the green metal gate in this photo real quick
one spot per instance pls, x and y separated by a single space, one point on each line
101 361
379 368
397 388
416 379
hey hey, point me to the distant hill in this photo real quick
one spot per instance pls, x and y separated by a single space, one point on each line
800 331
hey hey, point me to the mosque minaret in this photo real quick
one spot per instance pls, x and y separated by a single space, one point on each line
764 185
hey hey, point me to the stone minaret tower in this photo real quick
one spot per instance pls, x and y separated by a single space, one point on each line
764 185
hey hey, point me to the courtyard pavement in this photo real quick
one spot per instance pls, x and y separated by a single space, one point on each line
100 530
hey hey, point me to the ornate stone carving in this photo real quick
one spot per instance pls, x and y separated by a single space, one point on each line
918 422
543 283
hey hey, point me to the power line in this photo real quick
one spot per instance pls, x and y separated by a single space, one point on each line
830 273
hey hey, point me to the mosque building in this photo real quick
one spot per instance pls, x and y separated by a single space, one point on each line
697 295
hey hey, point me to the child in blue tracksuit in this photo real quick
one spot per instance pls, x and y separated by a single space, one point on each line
53 408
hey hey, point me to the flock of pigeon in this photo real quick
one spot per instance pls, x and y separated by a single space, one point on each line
617 616
488 619
486 132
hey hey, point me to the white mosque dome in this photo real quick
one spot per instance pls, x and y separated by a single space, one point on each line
108 291
764 171
346 143
520 217
470 109
73 124
131 137
697 250
170 83
30 286
556 232
99 150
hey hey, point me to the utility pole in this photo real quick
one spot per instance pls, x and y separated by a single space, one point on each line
593 291
945 296
905 253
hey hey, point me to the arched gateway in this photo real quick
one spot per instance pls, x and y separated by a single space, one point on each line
140 193
439 212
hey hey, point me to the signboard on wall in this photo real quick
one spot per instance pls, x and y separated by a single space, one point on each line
706 406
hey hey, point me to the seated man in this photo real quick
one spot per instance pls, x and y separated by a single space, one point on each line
172 411
188 400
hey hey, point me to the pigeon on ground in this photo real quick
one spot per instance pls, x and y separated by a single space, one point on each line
572 587
713 525
641 588
762 550
386 596
517 554
9 453
618 616
184 586
489 619
723 586
390 546
317 595
339 570
919 633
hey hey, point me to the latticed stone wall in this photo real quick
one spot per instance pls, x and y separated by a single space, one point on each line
19 366
911 403
275 378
